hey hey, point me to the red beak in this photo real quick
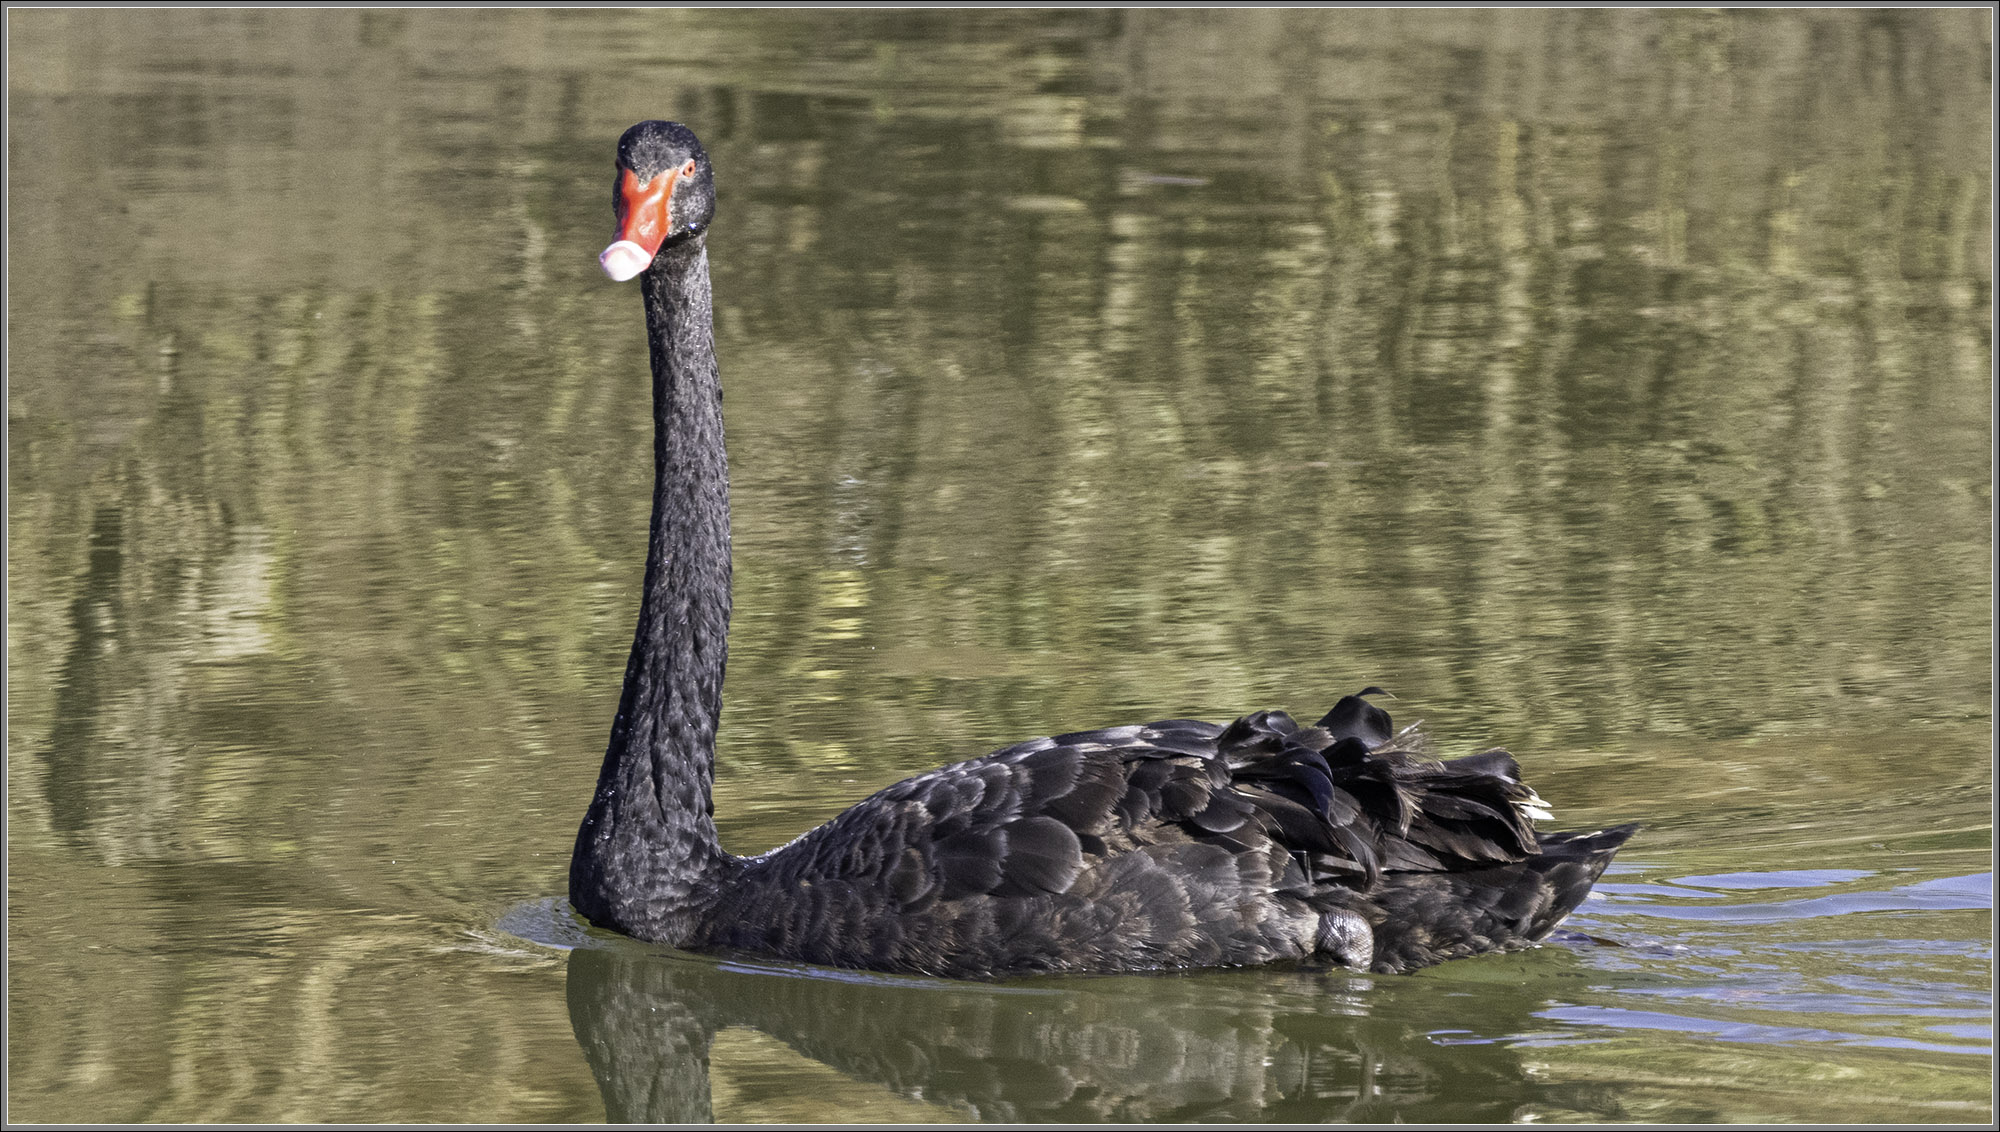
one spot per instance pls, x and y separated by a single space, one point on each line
642 223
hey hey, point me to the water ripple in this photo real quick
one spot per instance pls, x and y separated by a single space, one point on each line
1962 893
1626 1018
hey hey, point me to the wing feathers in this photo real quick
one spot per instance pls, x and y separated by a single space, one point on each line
1345 797
1177 837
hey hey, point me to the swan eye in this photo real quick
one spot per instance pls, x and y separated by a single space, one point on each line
687 170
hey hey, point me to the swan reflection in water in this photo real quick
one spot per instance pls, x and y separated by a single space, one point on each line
1268 1045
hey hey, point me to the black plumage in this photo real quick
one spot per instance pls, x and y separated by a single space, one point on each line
1175 844
1165 845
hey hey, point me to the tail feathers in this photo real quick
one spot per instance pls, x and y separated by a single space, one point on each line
1426 918
1570 864
1589 845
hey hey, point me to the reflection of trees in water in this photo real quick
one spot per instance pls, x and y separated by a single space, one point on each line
1203 1047
68 753
1577 419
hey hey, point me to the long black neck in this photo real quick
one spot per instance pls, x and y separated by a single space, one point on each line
647 860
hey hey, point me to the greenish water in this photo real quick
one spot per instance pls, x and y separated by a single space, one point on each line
1614 386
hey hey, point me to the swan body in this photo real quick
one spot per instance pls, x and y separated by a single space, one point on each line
1165 845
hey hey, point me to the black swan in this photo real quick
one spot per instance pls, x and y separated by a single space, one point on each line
1155 846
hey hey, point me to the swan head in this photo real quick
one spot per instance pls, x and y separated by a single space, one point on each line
664 191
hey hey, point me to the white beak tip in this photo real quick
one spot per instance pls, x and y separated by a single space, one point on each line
624 260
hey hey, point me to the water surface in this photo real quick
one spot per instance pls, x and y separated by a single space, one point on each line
1613 386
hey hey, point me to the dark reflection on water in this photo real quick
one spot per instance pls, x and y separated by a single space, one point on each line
1470 1043
83 680
1279 1046
1612 385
